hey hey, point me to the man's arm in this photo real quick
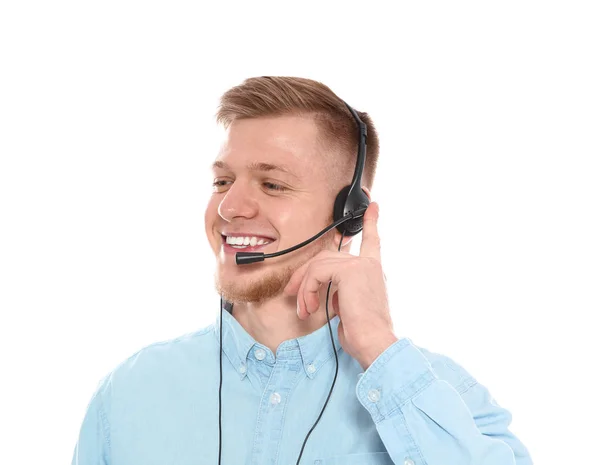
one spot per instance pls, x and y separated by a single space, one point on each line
438 416
93 444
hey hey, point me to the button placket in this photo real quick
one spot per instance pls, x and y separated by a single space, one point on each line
272 409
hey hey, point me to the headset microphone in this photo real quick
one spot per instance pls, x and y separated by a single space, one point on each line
349 208
242 258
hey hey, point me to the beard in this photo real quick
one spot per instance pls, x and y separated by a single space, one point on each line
271 281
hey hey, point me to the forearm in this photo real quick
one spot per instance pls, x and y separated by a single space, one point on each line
423 418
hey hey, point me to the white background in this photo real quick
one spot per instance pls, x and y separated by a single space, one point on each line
488 185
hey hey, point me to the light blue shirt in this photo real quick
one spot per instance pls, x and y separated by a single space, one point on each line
411 406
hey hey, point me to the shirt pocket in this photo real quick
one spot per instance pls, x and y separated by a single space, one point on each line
371 458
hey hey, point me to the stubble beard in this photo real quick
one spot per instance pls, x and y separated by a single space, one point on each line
272 278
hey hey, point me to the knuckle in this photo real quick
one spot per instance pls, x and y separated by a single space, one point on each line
354 262
375 265
370 261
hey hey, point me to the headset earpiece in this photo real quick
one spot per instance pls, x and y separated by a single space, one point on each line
345 204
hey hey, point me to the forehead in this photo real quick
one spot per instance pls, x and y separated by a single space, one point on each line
289 143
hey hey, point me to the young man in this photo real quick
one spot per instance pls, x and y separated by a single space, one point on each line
290 147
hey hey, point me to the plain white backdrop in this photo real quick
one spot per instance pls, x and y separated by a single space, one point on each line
488 183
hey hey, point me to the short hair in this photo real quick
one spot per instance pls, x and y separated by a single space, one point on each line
268 96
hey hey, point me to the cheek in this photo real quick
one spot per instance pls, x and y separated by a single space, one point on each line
300 224
285 218
294 221
210 216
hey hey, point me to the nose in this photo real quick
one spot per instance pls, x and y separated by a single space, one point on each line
238 201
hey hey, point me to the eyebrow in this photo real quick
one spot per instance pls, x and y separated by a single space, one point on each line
256 166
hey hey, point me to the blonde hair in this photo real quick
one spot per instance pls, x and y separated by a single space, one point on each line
283 95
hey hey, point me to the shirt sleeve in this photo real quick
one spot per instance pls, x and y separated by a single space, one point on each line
93 444
428 416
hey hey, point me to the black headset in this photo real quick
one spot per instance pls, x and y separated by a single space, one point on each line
349 208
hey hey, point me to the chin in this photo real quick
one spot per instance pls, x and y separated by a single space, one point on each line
266 284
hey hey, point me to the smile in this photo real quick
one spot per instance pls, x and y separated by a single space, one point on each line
233 244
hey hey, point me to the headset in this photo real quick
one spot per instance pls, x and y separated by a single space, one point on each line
349 208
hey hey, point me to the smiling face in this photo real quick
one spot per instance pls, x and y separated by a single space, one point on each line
251 198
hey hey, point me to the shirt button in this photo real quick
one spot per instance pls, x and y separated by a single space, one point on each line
260 354
374 396
360 375
409 462
275 398
243 369
311 368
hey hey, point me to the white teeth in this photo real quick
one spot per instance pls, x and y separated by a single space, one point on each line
246 241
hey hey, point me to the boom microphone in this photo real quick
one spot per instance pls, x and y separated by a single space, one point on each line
243 258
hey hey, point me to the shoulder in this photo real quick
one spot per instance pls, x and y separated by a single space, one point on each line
170 358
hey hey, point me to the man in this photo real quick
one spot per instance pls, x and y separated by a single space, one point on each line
290 147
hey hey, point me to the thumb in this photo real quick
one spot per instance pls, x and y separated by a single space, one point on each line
371 244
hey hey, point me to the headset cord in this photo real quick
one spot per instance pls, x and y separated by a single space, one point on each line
220 372
336 361
334 378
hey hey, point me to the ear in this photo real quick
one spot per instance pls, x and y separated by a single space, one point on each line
348 240
367 191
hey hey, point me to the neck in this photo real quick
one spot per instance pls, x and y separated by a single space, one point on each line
276 320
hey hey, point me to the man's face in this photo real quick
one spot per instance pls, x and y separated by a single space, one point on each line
246 202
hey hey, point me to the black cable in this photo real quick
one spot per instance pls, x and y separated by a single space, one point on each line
336 361
220 373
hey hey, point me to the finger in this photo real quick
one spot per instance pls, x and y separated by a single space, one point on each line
291 288
305 308
308 304
335 303
319 273
295 281
371 244
302 308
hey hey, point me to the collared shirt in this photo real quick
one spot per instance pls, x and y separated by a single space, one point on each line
410 407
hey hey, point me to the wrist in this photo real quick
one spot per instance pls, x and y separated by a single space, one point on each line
372 351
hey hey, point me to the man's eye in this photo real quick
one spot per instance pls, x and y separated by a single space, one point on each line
271 186
275 187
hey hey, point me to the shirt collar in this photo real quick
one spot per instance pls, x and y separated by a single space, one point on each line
314 349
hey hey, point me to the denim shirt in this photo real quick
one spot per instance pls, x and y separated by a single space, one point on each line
410 407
